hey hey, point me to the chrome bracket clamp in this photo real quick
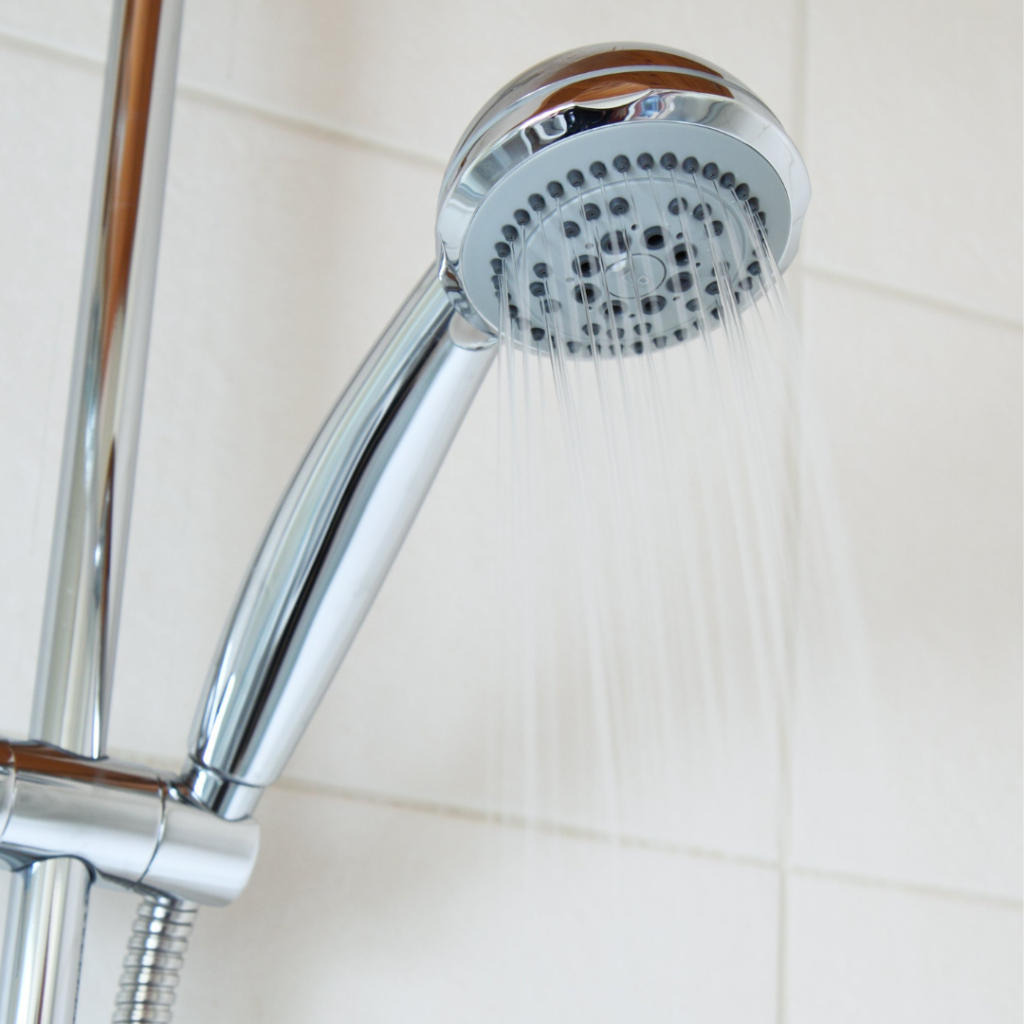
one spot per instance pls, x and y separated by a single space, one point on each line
128 823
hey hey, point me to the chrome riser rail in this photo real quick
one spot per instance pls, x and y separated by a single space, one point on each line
47 909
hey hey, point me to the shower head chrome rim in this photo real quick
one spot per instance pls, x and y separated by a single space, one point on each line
635 159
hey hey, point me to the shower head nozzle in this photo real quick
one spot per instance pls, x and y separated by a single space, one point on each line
589 196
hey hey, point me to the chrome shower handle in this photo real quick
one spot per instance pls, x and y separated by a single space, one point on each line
329 547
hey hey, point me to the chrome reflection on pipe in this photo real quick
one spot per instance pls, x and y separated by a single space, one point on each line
42 948
46 918
330 545
76 655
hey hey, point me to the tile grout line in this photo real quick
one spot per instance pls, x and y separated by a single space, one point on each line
46 48
839 877
788 691
517 822
310 125
265 112
440 809
865 283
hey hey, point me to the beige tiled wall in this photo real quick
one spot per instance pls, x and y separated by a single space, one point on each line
308 146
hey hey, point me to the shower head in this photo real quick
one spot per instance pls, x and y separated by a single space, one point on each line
613 187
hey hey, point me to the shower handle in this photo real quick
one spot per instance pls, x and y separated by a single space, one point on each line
329 546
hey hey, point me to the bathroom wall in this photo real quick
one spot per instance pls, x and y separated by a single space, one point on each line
309 142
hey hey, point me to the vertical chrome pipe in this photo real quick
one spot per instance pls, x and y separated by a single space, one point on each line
76 654
43 944
46 919
330 545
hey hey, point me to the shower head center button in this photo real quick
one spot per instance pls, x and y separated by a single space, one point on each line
635 276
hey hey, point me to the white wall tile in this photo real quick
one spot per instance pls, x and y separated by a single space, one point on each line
82 26
48 123
917 775
862 954
381 914
914 147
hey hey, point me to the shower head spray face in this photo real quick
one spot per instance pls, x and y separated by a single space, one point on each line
608 197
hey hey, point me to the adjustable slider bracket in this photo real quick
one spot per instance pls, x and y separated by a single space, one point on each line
129 824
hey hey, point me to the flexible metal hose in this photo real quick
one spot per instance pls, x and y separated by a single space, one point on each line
156 954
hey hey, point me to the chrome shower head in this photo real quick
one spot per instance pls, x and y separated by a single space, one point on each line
668 170
600 191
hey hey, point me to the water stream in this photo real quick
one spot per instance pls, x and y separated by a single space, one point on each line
667 536
673 559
